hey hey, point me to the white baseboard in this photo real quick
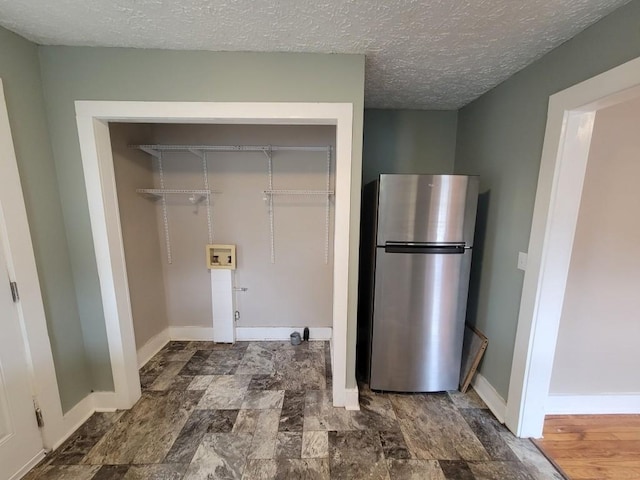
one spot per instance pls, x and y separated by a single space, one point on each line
621 403
153 346
351 399
30 464
104 401
74 418
192 334
245 334
490 396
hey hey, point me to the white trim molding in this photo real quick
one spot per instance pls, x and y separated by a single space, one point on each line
490 396
93 119
351 399
32 463
605 404
280 333
23 270
74 418
191 334
152 346
562 170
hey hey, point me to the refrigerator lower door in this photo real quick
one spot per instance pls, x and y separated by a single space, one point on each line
418 320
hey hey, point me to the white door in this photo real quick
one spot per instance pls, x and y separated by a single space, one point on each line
20 439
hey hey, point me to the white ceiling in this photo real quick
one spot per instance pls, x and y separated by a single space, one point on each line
423 54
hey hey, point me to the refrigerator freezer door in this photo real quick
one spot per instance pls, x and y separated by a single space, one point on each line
427 208
418 321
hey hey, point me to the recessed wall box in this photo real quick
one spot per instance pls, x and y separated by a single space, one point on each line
221 257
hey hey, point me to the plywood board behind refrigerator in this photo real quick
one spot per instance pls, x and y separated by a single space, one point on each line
473 347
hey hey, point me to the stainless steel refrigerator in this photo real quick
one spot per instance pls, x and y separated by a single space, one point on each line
415 277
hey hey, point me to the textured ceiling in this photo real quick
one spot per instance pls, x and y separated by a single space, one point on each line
423 54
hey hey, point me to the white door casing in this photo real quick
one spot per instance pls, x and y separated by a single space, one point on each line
20 440
21 267
562 169
97 160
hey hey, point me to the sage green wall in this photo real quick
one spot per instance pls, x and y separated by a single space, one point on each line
82 73
20 73
500 137
408 141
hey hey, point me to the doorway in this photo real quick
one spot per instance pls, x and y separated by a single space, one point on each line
20 441
27 374
93 128
567 141
182 187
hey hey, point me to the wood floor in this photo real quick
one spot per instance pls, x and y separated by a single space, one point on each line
593 446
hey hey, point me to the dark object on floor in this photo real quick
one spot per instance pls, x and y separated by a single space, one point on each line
305 334
475 343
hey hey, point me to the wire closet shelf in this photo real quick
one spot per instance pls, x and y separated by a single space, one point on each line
156 151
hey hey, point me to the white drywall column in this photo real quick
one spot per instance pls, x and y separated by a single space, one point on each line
222 305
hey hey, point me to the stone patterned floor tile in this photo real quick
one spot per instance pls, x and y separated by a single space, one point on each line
394 446
200 382
63 472
260 470
499 471
199 423
287 469
220 456
147 432
225 392
308 469
328 366
424 419
415 470
265 435
246 421
288 445
469 399
111 472
263 410
292 414
456 470
315 445
262 399
73 451
181 355
156 472
267 382
488 430
319 413
357 455
537 464
258 360
376 413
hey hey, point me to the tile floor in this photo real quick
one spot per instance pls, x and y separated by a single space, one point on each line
262 410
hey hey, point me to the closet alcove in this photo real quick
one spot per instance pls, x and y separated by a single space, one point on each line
180 188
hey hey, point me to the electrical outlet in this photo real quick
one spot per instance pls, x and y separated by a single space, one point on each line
522 261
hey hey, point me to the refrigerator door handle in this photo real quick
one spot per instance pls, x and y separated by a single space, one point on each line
424 249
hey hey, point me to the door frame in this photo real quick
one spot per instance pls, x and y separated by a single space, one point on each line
21 263
97 159
565 154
